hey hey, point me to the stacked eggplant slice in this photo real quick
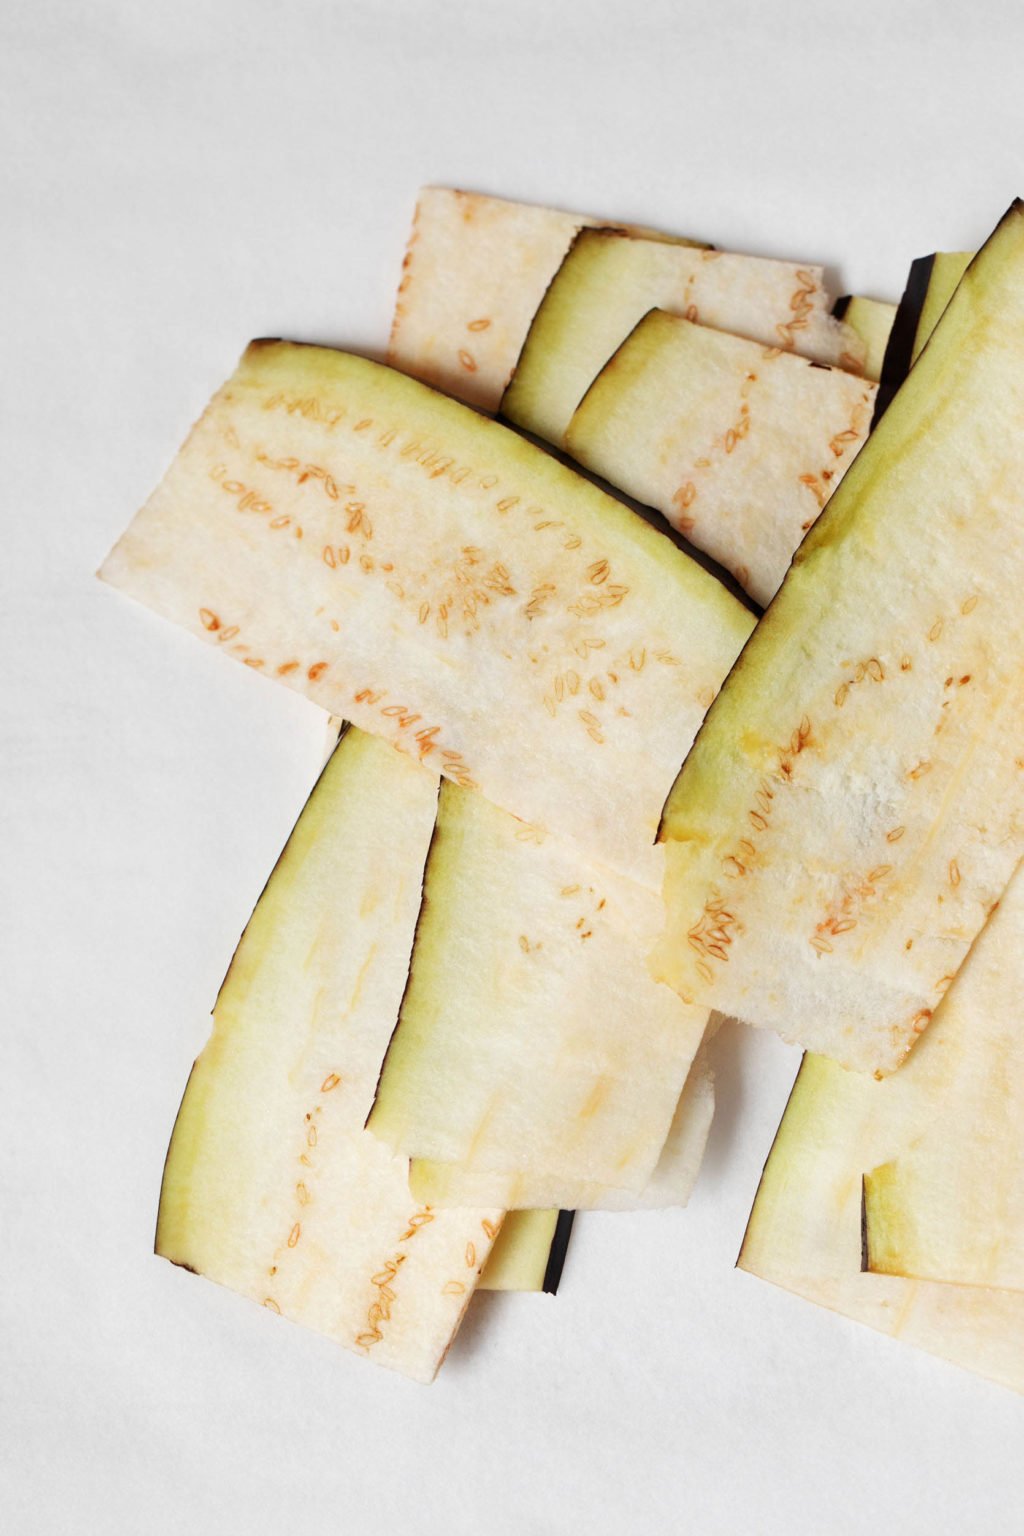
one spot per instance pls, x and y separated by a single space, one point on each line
896 1202
583 801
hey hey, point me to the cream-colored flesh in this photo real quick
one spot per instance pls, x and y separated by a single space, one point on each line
950 1205
739 446
804 1232
854 805
474 274
427 574
872 320
531 1038
810 1224
272 1185
671 1183
609 281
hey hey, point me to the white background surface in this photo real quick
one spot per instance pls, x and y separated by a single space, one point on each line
177 178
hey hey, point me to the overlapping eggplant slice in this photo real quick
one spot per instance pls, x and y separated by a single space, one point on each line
609 280
854 806
738 445
425 573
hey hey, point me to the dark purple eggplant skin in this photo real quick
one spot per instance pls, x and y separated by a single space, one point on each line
898 352
559 1247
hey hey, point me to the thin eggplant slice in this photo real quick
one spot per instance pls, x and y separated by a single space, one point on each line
854 805
609 281
739 446
475 271
427 574
531 1039
272 1185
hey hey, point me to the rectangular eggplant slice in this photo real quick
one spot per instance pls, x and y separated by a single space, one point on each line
854 805
475 270
872 320
738 445
424 572
609 281
671 1183
530 1248
947 1207
272 1185
950 1205
531 1038
804 1232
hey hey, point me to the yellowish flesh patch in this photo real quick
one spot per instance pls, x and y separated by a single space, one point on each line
532 1041
948 267
670 1184
950 1206
872 320
804 1232
519 1258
